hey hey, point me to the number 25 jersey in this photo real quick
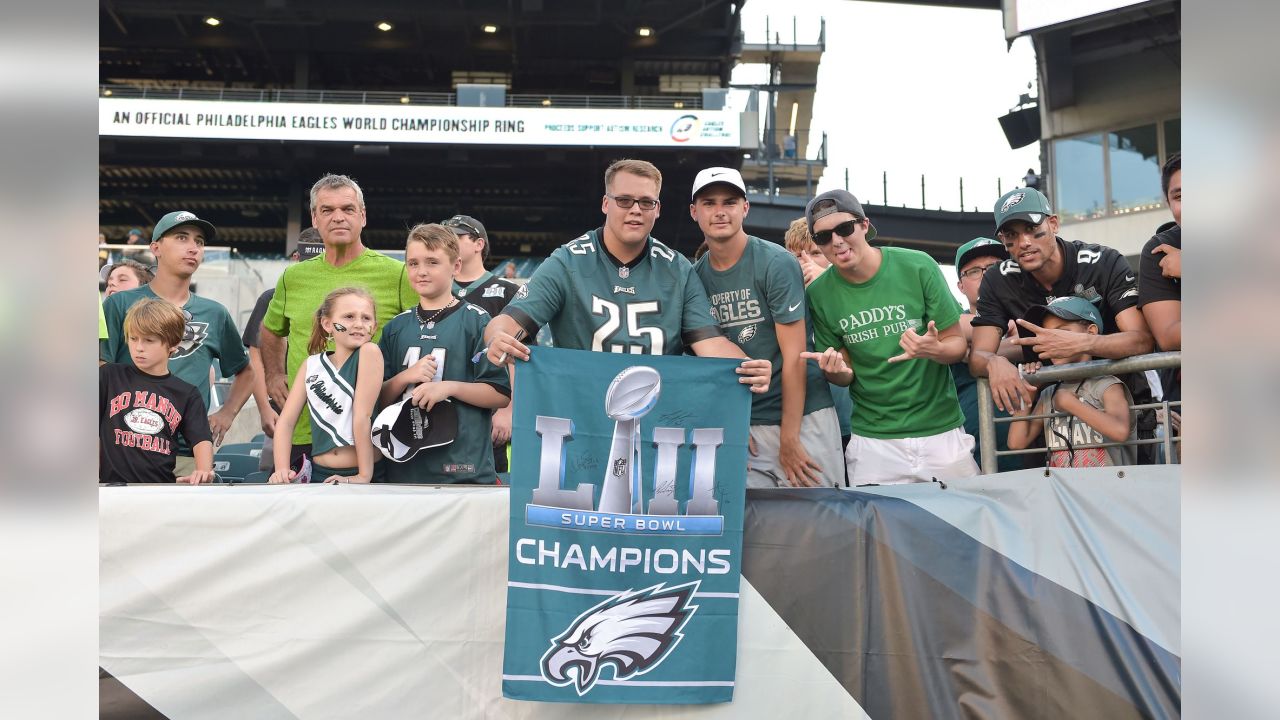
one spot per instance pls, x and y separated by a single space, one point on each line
654 305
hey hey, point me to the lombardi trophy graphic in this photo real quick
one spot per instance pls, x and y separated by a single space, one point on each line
632 393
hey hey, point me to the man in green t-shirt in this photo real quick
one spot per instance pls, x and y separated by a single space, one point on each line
617 289
338 212
757 297
886 325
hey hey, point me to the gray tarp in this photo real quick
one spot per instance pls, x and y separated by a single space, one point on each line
1015 596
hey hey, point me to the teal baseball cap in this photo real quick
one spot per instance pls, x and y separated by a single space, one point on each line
978 247
1024 203
183 217
1071 308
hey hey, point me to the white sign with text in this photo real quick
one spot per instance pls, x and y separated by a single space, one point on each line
229 120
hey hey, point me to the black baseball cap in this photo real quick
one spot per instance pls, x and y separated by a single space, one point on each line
402 430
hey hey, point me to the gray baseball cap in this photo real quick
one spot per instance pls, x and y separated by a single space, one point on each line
844 201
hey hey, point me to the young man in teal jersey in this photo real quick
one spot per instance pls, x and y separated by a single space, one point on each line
427 353
757 296
177 242
483 289
338 212
886 325
617 289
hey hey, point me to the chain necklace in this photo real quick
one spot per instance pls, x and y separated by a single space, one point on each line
430 322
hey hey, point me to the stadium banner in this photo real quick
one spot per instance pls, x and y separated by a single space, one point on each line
233 120
627 494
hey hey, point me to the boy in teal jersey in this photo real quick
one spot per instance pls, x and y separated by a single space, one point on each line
887 326
178 241
617 289
338 212
428 351
757 296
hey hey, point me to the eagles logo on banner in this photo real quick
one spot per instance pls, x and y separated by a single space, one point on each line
627 493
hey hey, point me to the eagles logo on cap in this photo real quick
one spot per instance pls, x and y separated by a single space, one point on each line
1013 199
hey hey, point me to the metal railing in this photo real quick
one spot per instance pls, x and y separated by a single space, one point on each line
381 97
1077 371
785 33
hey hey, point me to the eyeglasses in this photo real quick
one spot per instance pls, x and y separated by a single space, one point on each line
844 229
975 271
1013 233
626 202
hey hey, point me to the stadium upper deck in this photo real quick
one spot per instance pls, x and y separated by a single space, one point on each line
532 195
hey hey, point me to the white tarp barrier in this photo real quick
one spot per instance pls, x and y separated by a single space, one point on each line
350 601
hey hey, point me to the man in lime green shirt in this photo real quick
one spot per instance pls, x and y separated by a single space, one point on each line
338 212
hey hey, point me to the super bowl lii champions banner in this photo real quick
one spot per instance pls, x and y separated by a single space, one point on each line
627 491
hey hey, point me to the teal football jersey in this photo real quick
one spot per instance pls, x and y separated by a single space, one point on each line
654 305
456 336
764 287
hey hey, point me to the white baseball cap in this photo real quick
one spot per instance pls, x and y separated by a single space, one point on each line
713 175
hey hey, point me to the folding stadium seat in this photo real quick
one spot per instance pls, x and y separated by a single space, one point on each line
232 467
253 449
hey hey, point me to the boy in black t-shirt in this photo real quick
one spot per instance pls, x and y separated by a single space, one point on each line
142 408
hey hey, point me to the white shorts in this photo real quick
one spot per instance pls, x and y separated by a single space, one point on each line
880 461
820 436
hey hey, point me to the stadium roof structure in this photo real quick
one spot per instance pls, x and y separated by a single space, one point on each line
532 197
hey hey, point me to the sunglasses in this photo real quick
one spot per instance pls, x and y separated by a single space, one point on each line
626 202
451 223
844 229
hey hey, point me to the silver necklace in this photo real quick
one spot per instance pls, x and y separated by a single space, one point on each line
430 322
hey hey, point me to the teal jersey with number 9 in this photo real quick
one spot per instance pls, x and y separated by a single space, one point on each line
654 305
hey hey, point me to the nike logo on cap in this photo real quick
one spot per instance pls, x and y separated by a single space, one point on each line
715 174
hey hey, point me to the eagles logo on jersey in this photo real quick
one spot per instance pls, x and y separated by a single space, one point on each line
192 338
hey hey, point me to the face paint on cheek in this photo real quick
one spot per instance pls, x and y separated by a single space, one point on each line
339 327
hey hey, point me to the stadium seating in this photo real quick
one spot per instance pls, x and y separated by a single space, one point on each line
253 449
232 467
